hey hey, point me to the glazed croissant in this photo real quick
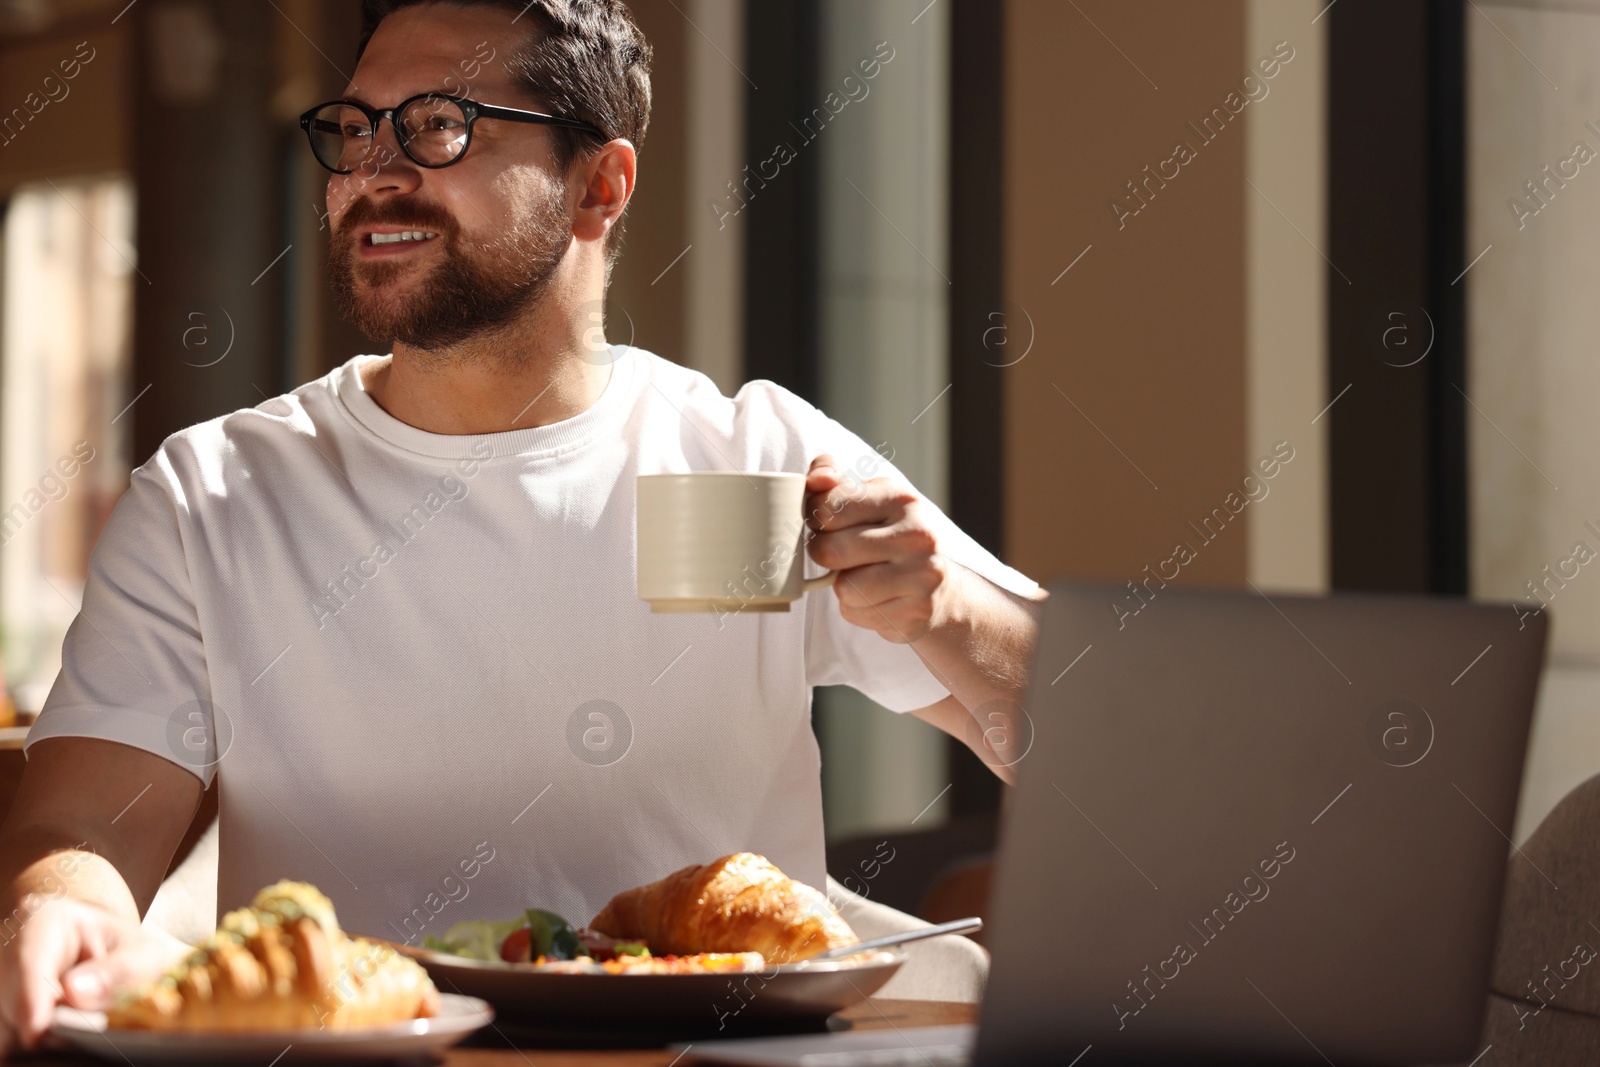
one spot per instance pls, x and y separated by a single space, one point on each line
282 963
739 903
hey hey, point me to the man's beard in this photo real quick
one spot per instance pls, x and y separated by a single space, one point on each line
476 289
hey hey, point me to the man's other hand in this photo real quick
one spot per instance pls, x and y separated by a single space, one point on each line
73 952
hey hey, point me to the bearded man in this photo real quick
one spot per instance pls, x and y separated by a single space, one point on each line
388 611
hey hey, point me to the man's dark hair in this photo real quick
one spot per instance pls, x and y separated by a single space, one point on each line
586 59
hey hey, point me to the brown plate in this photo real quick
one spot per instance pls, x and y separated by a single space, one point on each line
782 995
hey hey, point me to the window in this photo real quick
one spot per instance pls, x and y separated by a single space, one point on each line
66 273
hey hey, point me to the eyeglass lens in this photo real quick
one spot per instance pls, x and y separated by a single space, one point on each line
432 130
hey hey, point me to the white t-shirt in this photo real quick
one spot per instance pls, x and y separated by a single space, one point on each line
421 666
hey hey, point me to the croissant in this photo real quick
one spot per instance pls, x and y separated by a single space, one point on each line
739 903
282 963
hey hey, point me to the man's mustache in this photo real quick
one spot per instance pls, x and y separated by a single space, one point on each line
409 216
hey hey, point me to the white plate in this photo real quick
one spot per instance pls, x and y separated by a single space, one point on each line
787 993
458 1016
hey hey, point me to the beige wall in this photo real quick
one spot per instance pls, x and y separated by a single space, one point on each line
1189 338
1146 333
714 152
1286 278
1531 373
1532 316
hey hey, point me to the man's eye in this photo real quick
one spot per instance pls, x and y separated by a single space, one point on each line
353 131
442 122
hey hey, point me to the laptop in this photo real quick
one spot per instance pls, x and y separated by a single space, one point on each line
1250 827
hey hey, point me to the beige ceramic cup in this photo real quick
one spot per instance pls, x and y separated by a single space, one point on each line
722 541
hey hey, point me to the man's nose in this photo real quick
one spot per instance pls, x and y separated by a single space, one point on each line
386 169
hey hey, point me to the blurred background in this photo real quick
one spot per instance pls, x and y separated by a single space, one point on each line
1080 264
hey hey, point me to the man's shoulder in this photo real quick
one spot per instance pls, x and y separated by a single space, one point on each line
761 426
277 420
688 388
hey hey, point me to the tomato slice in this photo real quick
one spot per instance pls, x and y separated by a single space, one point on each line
518 946
605 947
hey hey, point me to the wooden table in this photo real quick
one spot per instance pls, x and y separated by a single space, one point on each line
487 1049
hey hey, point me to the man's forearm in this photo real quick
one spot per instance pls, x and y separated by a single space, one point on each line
39 864
983 649
975 637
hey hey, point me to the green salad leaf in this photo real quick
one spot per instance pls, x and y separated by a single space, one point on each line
552 936
476 939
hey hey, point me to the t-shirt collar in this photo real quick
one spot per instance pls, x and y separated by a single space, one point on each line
532 442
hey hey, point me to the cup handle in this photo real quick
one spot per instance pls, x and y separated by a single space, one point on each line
822 581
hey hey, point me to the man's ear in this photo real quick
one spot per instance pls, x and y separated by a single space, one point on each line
607 179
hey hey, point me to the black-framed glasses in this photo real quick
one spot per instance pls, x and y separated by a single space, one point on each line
433 129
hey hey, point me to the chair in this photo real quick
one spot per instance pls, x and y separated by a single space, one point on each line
941 968
912 877
1544 999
